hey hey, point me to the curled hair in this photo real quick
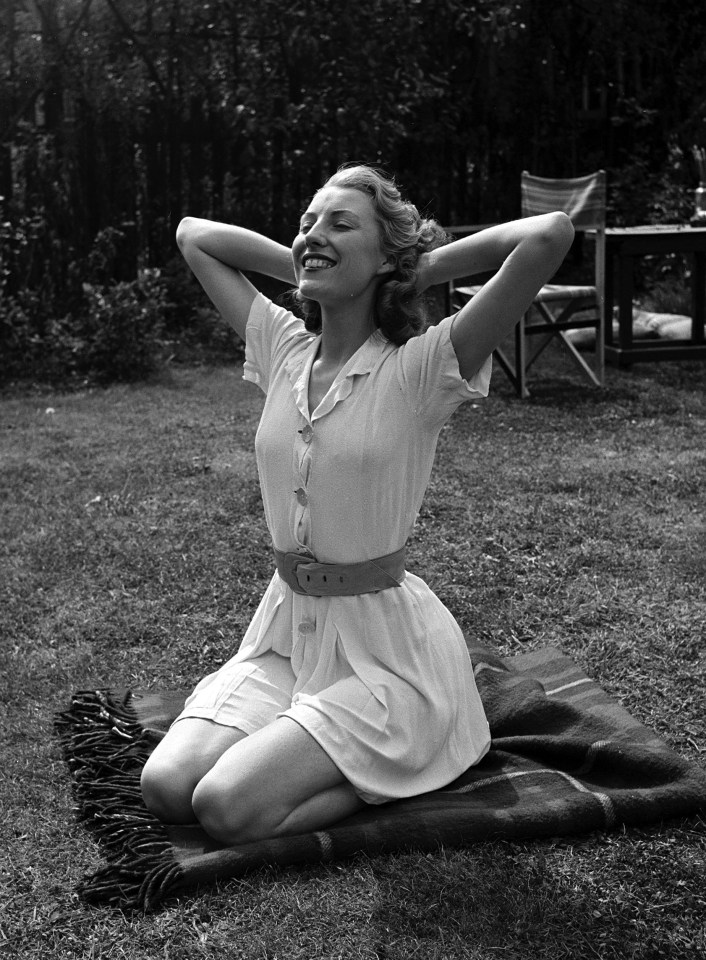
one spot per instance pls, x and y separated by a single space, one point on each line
400 311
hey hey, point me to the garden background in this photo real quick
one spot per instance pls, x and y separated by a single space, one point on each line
117 118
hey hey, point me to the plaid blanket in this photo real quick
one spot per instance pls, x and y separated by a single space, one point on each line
565 758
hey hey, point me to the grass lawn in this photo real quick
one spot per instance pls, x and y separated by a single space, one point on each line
134 552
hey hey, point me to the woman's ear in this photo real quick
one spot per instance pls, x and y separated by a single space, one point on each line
387 266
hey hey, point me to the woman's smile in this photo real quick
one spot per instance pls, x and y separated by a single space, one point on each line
313 261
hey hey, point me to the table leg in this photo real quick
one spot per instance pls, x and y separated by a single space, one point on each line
609 294
625 303
698 296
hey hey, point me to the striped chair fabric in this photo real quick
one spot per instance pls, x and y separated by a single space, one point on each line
581 198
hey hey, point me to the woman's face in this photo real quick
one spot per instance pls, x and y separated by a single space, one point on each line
338 253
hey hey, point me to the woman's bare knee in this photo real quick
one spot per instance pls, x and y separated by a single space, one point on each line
167 791
276 782
231 816
224 812
186 754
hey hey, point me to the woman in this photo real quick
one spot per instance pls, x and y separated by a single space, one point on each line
353 684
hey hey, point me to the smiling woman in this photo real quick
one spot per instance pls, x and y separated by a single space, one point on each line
353 684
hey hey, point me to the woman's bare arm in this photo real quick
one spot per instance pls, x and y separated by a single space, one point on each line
526 253
218 252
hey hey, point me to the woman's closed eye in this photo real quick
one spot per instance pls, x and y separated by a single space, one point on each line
306 227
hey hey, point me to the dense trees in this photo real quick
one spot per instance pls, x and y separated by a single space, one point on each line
117 116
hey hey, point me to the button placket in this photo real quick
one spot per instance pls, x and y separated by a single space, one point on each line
304 613
302 467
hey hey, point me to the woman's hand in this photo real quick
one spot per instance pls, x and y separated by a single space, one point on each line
422 273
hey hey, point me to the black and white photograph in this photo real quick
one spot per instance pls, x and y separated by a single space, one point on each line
353 480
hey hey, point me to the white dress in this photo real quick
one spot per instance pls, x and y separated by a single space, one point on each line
383 681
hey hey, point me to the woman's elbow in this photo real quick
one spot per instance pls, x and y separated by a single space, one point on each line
560 229
192 231
185 231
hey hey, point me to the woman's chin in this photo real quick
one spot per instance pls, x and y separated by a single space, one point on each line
311 289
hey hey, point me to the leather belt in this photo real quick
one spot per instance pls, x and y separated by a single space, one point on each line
304 574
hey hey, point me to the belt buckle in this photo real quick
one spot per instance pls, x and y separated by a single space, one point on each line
292 562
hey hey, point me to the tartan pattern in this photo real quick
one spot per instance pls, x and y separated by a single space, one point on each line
565 758
581 198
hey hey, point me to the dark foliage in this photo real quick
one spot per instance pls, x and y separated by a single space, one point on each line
120 117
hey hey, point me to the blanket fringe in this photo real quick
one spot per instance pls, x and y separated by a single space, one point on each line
105 749
138 884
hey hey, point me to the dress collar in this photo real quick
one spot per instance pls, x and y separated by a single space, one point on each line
364 360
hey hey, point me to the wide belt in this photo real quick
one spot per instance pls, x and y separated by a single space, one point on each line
304 574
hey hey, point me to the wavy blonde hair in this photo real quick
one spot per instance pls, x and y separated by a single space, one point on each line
400 311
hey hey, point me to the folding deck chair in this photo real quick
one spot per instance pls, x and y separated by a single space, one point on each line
571 313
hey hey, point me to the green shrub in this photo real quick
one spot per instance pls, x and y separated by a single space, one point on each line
123 328
34 344
639 193
19 341
55 328
193 330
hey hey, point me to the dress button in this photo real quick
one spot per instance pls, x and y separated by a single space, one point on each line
301 496
306 627
307 433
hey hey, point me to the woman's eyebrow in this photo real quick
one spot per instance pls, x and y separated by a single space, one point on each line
344 212
332 213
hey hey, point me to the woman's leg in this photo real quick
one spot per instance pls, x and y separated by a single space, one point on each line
276 782
188 751
242 697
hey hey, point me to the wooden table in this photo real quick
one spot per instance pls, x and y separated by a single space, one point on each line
623 246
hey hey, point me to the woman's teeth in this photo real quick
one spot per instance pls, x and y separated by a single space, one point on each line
311 263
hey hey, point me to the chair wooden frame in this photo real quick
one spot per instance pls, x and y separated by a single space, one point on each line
554 310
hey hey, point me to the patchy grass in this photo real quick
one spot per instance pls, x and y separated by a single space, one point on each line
134 552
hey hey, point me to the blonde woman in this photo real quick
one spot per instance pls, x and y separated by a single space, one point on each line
353 684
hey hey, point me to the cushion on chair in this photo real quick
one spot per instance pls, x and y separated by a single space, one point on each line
666 326
555 291
645 326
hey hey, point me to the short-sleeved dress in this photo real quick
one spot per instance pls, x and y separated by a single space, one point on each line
383 681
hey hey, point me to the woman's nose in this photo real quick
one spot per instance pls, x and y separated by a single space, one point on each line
315 235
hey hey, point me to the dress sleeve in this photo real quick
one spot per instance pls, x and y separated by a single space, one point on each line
270 333
430 377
